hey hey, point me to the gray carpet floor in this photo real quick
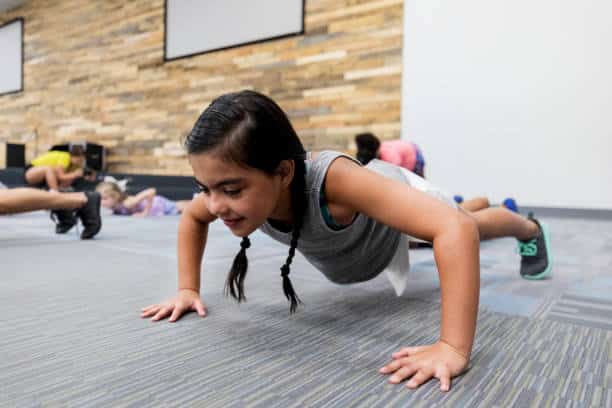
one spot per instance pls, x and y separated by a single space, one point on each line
70 332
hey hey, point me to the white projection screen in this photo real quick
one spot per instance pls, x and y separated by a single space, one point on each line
11 57
200 26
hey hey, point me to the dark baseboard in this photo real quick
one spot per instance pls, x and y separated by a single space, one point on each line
172 187
589 213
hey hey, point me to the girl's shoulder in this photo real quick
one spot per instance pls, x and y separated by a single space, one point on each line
327 157
319 163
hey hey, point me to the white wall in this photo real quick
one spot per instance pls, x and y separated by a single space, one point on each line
512 98
10 57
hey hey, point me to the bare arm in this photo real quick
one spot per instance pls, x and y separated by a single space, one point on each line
133 201
453 233
67 178
192 235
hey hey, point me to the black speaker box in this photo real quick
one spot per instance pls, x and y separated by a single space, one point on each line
15 155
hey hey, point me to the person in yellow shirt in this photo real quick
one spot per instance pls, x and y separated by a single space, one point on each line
56 169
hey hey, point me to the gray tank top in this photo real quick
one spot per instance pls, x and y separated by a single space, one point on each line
356 253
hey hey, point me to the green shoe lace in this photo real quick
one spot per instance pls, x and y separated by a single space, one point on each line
529 248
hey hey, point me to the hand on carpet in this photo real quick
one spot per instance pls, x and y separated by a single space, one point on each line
185 301
422 363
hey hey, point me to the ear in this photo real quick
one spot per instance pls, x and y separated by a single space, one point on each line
286 170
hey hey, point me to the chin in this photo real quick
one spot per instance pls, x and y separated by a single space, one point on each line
237 233
242 232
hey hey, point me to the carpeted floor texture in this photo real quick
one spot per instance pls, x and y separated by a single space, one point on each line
70 332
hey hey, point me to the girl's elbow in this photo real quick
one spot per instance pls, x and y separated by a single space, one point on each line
459 228
468 227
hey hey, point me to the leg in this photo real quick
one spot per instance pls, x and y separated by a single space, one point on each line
533 236
36 175
495 222
475 204
20 200
498 222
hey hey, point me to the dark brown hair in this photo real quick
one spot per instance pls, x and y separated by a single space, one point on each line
367 147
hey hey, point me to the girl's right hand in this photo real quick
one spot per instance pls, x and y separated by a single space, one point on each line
186 300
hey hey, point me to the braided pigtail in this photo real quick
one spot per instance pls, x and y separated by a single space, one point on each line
298 201
234 285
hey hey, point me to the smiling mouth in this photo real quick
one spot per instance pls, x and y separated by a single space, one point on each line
232 222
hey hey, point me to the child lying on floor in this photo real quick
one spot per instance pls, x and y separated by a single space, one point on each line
146 203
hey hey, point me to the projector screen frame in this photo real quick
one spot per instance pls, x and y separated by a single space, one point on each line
13 21
261 40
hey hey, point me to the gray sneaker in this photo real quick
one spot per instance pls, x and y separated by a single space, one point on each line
536 257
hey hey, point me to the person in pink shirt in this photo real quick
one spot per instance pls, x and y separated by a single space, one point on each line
399 152
409 156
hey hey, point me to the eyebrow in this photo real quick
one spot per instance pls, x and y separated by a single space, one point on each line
219 184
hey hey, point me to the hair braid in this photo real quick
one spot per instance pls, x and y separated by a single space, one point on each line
234 285
298 203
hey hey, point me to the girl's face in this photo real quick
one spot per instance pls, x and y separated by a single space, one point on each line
109 199
243 198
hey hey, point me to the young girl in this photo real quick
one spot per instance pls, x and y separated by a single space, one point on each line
254 174
56 169
145 203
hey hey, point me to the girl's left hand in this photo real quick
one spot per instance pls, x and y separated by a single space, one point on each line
422 363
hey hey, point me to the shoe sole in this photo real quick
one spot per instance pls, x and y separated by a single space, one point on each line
64 230
548 271
90 236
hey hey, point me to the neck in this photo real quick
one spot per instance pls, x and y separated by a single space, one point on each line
283 210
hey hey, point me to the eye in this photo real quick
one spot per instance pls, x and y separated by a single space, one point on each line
232 193
198 188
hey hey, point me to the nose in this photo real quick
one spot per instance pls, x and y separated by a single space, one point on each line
217 204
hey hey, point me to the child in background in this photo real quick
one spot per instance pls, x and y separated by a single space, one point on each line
349 221
399 152
409 156
57 169
146 203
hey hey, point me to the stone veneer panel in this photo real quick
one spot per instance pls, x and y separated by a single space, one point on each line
94 70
